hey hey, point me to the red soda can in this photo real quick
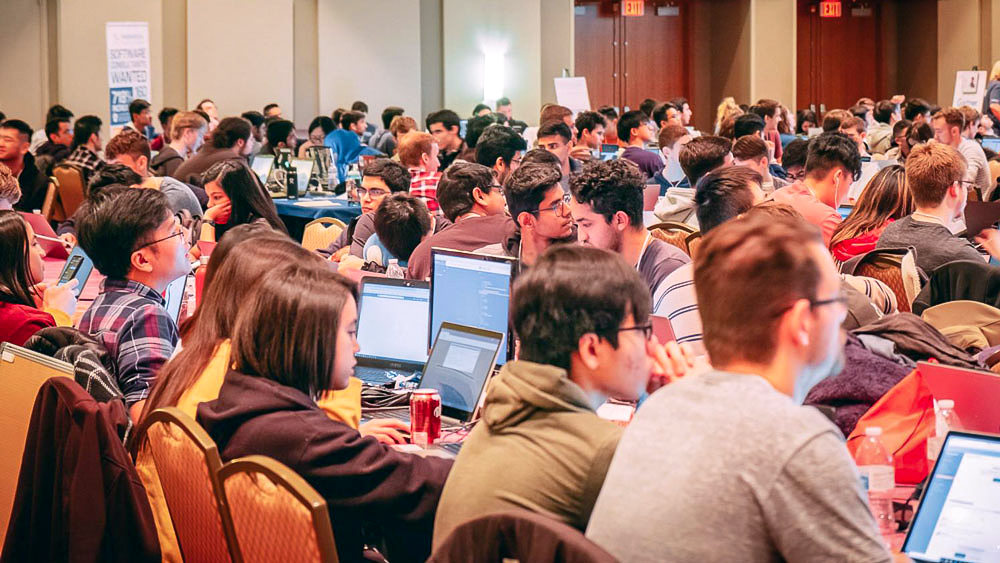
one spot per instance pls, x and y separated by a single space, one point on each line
425 416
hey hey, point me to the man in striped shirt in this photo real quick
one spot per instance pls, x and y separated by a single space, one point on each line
135 240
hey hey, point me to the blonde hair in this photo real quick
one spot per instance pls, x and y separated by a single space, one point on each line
186 120
995 73
401 125
727 107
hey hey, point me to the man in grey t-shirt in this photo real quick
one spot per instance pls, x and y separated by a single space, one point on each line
728 466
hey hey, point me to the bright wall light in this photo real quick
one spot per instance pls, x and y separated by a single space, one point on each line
493 75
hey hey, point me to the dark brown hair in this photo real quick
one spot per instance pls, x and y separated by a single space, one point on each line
746 272
885 197
284 332
15 280
130 142
239 269
749 147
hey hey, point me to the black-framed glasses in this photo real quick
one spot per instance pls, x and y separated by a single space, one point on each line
180 232
559 208
497 187
647 330
373 192
842 299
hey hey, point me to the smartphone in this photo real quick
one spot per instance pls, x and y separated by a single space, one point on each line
174 294
78 266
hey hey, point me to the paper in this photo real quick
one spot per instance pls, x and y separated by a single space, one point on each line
572 93
316 203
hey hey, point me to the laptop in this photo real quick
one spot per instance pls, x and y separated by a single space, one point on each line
174 294
459 366
650 195
609 151
472 290
992 143
662 329
976 394
262 166
78 266
392 330
47 238
958 518
303 173
845 210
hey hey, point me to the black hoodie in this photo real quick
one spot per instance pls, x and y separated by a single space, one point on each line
364 482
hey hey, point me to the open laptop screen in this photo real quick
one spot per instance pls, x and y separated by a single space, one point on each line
262 166
472 290
959 514
460 363
392 320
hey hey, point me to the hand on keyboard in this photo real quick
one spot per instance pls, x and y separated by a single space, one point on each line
387 430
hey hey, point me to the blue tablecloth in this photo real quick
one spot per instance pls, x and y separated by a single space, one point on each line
296 216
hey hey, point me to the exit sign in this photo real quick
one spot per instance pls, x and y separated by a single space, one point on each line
829 9
634 7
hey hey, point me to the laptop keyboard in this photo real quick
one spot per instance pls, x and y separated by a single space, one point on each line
399 414
452 447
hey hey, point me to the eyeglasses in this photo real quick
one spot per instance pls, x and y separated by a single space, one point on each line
373 192
180 232
559 208
647 330
498 188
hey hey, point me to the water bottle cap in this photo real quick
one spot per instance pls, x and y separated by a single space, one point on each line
946 404
873 431
393 261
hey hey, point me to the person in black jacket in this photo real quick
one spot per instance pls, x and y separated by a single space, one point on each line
283 359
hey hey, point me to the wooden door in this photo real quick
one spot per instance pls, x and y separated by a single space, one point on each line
655 51
597 57
839 60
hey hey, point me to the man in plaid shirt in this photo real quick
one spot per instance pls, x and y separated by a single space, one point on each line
419 153
136 241
86 144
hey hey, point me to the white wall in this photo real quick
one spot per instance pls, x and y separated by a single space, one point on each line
557 53
369 51
82 52
240 54
22 90
512 27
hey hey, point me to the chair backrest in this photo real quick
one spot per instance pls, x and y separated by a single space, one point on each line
49 207
276 515
321 232
674 233
888 268
519 535
69 186
187 462
22 373
693 241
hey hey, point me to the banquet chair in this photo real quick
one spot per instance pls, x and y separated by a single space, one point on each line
276 515
321 233
675 233
22 373
70 190
187 462
888 267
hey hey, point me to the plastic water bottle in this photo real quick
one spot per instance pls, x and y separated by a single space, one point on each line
878 477
394 270
945 419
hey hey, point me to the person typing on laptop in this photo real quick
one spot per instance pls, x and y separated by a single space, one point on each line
582 315
727 466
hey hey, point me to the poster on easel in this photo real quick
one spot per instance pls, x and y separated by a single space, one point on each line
572 92
970 88
128 69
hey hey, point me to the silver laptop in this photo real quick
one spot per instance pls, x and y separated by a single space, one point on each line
262 166
393 320
459 367
958 519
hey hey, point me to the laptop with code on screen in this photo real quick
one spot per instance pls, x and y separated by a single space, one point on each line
392 329
958 518
472 290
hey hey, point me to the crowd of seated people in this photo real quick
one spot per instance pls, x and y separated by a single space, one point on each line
779 202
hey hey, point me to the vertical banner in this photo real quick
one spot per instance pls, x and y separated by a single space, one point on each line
128 68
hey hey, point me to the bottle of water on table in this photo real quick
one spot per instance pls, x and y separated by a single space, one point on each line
878 477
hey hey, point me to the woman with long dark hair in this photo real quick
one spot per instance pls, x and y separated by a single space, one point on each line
885 199
235 197
26 304
294 339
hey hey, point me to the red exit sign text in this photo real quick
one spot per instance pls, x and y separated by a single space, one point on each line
829 9
634 7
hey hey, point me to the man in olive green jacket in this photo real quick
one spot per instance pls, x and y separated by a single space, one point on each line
582 315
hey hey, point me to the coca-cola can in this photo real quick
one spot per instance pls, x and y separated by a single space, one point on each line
425 416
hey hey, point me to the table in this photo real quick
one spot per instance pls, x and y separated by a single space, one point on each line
297 213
